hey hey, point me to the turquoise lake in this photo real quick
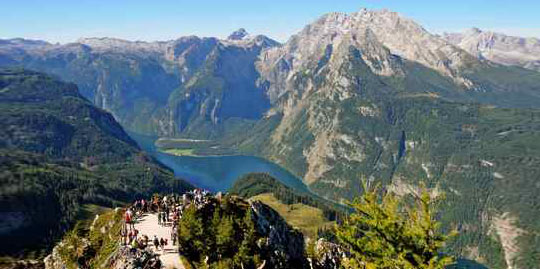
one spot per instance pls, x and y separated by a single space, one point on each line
218 173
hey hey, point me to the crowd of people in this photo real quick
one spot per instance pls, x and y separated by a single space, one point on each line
168 209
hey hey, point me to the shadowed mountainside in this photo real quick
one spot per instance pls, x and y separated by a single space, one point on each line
59 152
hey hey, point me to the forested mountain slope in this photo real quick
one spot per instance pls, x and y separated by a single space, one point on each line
59 152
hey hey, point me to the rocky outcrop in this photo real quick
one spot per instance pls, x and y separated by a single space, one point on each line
54 260
98 246
328 255
119 259
285 244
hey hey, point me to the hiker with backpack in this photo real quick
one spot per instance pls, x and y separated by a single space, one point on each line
128 217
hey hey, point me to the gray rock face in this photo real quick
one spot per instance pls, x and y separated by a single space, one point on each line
285 244
119 259
498 48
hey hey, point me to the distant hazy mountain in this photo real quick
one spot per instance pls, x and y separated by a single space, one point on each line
499 48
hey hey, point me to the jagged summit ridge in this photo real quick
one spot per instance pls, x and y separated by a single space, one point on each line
107 44
499 48
401 35
384 40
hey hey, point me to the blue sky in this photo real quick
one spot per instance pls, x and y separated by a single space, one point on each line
67 20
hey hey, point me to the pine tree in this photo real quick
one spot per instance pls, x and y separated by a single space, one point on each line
225 236
385 232
191 233
244 257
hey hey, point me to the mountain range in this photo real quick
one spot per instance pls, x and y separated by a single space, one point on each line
156 88
369 95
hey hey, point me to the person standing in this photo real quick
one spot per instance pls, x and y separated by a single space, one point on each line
163 222
145 239
156 242
174 232
124 234
129 219
164 218
162 243
166 213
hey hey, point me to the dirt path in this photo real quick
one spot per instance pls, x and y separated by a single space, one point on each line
148 225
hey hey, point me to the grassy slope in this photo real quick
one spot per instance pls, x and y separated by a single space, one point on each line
306 218
306 211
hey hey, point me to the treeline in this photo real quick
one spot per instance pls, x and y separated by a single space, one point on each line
221 234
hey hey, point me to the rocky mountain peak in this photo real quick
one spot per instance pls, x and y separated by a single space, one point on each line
242 38
498 47
238 34
381 37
